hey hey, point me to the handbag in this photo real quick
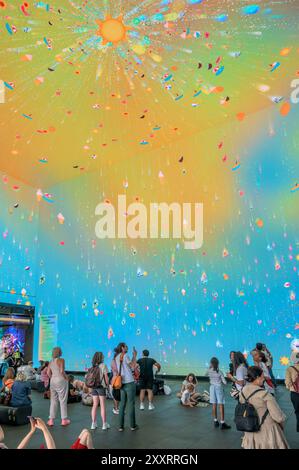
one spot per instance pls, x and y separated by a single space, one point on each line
116 381
234 393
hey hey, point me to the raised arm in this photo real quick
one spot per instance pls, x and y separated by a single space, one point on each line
23 444
40 424
132 363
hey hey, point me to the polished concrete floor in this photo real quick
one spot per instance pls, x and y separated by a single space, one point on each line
169 426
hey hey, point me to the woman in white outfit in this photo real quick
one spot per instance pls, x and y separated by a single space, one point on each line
59 387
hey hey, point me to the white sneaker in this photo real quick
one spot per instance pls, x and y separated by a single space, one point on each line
93 426
105 426
116 412
151 406
142 406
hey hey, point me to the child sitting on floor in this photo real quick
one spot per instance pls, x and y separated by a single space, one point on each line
187 396
190 379
199 397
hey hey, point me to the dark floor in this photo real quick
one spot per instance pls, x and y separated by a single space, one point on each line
169 426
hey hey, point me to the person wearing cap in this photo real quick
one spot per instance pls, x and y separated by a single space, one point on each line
292 383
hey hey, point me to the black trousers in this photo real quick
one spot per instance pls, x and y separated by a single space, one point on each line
295 401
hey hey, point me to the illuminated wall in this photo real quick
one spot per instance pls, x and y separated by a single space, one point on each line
238 289
19 241
192 104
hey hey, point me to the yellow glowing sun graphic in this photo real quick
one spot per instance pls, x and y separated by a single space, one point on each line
112 30
284 361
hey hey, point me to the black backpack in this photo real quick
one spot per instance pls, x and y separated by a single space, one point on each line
246 417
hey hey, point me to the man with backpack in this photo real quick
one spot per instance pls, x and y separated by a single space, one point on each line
292 383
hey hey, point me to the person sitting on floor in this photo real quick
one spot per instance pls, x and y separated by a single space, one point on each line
199 397
190 379
44 377
36 423
7 383
28 371
84 441
79 385
41 366
87 396
20 392
187 396
74 396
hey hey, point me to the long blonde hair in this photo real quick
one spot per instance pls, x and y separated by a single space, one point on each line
56 353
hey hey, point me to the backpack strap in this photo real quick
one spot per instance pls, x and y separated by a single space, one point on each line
251 395
293 367
264 417
247 400
120 362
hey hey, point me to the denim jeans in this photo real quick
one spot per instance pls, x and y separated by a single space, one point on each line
127 398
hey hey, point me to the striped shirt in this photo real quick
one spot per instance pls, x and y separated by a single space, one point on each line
216 378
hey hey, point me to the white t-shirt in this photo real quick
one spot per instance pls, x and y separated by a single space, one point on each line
241 373
103 370
185 397
185 383
126 372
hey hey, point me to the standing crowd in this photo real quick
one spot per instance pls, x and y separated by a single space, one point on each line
253 387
